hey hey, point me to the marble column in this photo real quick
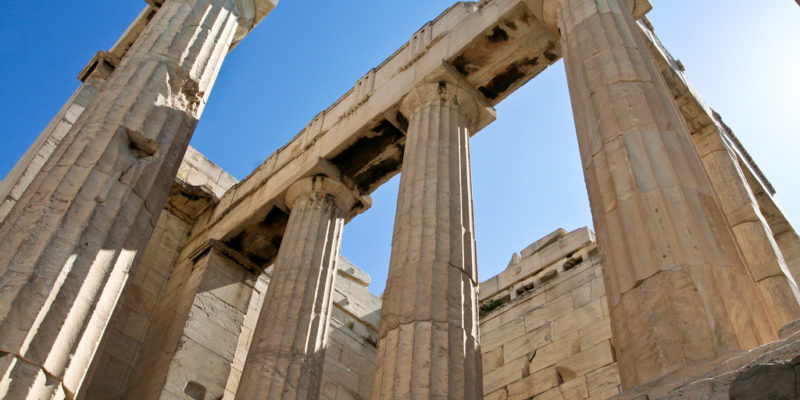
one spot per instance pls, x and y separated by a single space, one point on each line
68 243
680 295
428 344
288 346
752 233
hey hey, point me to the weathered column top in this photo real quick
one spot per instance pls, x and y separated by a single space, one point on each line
251 12
446 84
327 179
547 10
346 199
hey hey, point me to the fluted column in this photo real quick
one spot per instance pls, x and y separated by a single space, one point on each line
679 293
752 233
287 350
428 345
68 243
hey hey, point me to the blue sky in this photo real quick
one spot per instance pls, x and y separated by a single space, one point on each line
742 56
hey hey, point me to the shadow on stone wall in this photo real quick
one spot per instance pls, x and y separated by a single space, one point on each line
778 381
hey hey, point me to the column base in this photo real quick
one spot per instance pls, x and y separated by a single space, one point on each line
766 372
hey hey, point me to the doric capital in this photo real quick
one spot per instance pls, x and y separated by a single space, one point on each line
547 11
345 198
443 91
446 84
251 12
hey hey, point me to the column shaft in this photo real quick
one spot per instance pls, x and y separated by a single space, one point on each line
428 345
286 354
679 292
68 243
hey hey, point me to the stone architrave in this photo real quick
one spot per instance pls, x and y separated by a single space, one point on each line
287 350
680 296
68 243
428 344
782 230
728 166
752 233
13 186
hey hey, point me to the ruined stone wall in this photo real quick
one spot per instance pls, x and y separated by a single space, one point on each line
545 329
246 334
349 364
350 356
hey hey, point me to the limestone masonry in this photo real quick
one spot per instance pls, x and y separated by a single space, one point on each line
132 267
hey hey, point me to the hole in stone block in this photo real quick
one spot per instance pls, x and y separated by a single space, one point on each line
195 390
572 262
375 156
402 120
546 276
498 35
502 81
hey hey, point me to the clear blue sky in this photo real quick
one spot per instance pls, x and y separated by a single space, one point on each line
742 56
